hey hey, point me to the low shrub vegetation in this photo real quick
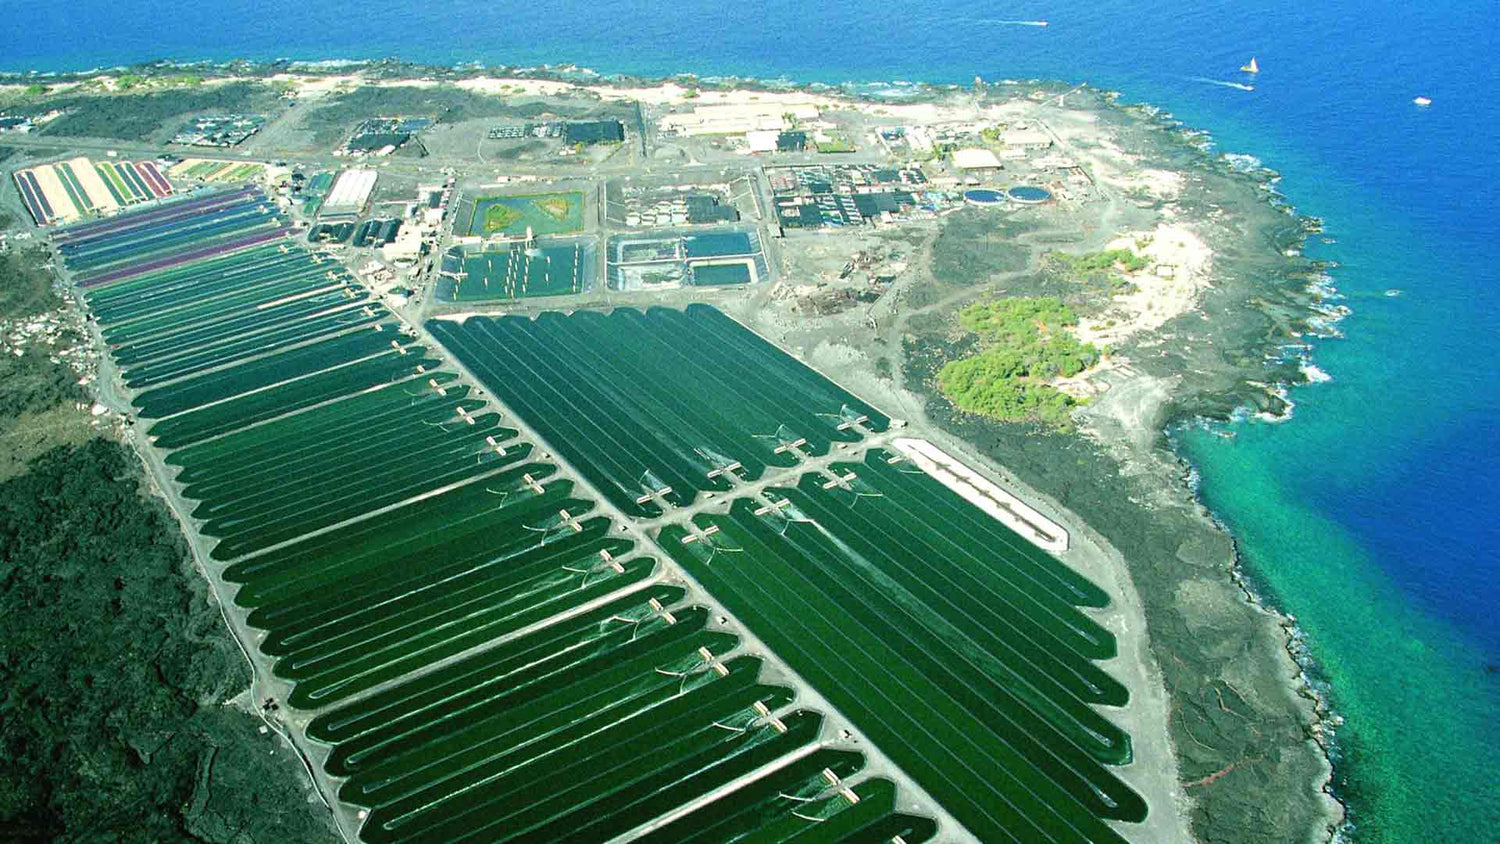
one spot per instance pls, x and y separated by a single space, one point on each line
1024 344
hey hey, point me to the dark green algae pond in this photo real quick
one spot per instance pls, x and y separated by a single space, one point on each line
974 670
288 451
660 400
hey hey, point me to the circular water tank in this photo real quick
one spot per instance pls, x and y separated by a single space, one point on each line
983 196
1029 195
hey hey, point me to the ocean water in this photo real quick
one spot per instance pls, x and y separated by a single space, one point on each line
1370 514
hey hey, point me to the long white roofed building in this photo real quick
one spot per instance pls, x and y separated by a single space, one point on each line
350 192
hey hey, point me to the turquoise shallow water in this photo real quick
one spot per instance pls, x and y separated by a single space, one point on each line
1370 514
1413 756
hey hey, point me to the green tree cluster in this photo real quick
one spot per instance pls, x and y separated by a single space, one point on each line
113 669
31 383
1093 262
1024 345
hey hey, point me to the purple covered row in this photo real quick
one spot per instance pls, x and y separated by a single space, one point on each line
161 213
184 257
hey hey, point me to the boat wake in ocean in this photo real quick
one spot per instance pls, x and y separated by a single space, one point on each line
1239 86
1010 23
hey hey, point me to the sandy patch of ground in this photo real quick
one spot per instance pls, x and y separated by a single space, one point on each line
669 93
1081 134
672 94
407 83
1091 381
1113 166
312 87
111 82
1180 264
1162 184
1179 271
516 87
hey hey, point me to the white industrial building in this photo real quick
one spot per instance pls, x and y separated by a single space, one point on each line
975 159
762 140
350 192
405 249
737 119
1026 138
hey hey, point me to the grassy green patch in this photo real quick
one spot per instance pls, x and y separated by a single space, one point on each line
1093 262
499 217
836 143
544 214
244 171
204 169
1024 345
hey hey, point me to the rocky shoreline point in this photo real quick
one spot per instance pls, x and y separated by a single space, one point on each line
1205 340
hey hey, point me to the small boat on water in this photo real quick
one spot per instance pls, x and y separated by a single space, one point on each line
1422 101
1252 67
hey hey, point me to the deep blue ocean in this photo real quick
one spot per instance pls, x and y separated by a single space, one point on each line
1371 515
